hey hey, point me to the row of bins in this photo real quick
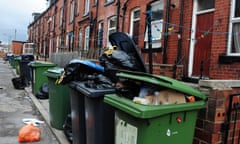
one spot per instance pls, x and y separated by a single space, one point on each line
107 116
110 115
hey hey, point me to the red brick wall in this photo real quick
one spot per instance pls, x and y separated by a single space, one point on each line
17 47
168 70
219 46
219 43
212 119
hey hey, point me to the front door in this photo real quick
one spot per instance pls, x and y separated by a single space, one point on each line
203 43
201 38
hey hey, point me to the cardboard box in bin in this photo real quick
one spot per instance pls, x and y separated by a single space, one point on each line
170 97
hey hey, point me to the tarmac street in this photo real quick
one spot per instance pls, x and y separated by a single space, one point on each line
16 105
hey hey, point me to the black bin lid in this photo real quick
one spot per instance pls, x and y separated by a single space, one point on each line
27 57
90 92
125 43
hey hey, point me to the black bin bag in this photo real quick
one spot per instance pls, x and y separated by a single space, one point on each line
124 56
79 70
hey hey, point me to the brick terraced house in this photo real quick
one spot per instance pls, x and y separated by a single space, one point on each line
191 40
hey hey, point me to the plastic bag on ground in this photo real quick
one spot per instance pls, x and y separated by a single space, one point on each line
29 133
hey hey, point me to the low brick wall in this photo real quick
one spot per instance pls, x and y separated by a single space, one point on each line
169 70
211 123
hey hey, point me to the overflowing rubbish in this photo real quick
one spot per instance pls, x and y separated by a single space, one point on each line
117 59
162 97
123 55
145 91
99 81
78 70
29 133
154 109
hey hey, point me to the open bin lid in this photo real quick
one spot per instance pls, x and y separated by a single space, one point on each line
81 87
162 81
149 111
126 44
41 64
53 72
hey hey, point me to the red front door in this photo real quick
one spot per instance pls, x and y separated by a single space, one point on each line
202 49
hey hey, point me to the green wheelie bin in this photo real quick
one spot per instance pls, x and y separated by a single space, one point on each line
11 61
168 118
38 78
17 60
59 98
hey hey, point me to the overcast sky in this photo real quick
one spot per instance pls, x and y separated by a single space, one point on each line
15 16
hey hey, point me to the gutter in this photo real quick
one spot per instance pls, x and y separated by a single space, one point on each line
124 13
118 14
179 51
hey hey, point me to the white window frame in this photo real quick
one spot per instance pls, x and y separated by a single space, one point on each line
100 28
72 14
71 39
232 20
111 28
57 43
87 38
50 49
156 40
53 22
80 39
133 20
108 1
61 17
66 42
87 5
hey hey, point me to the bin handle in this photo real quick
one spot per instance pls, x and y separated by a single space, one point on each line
143 74
60 79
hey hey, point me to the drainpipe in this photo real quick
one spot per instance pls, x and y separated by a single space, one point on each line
65 21
118 14
124 13
73 25
148 21
54 26
166 31
179 53
96 27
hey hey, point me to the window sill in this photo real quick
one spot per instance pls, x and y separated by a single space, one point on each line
85 14
226 59
108 3
146 50
94 5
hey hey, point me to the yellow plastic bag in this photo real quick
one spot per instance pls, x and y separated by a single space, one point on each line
29 133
